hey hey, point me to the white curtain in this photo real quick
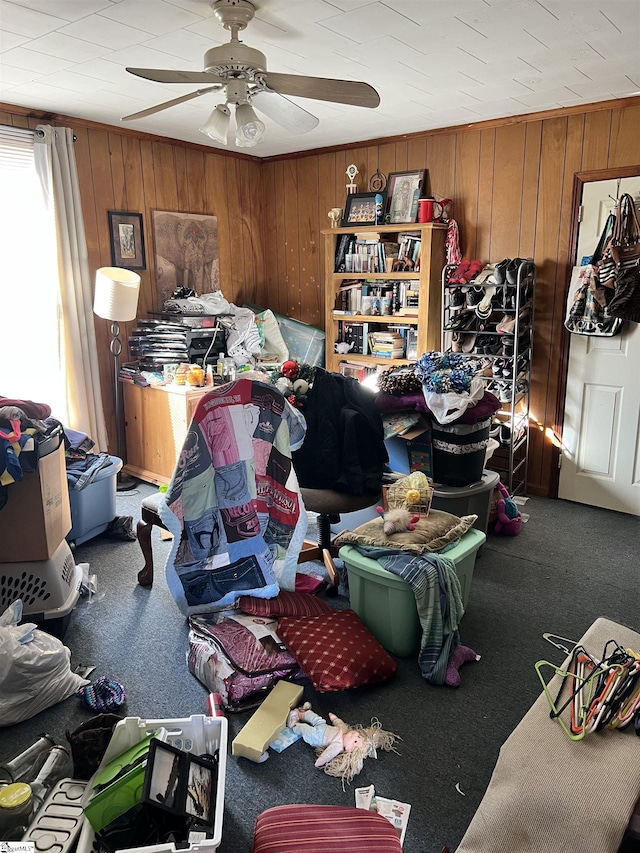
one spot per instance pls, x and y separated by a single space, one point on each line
55 161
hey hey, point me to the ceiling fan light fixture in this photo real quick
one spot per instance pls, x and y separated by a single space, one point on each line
216 126
249 128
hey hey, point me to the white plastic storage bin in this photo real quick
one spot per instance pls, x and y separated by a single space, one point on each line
197 734
94 507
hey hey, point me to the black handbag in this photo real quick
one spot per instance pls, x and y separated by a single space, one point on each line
625 302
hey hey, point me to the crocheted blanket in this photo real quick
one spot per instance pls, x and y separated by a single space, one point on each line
234 504
436 587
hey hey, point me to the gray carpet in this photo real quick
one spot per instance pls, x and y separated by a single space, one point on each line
570 564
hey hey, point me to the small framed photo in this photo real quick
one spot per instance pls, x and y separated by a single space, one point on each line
181 783
127 240
404 189
360 208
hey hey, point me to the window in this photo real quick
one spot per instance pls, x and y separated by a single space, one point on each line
32 356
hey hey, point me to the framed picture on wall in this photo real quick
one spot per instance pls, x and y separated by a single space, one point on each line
186 254
404 189
127 240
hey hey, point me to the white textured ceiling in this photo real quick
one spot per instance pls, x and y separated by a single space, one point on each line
435 63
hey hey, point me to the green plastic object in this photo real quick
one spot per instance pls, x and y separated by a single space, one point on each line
386 604
119 783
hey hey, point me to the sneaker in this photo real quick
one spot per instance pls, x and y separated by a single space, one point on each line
500 271
456 298
474 296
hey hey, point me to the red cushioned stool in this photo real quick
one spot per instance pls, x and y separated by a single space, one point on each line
323 829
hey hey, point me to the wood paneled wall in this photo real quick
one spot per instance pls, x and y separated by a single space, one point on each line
512 183
137 172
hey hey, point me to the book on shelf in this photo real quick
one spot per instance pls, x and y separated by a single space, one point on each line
356 370
356 334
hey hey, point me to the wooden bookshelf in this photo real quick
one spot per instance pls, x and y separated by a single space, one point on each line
428 277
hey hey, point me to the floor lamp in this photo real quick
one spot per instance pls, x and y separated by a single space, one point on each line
116 299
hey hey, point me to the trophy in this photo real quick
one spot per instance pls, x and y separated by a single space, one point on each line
351 172
335 214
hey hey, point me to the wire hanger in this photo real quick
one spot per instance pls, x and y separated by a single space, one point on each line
553 638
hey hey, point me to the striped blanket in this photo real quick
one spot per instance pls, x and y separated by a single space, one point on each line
436 587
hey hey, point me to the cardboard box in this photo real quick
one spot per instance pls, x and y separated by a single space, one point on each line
412 450
37 515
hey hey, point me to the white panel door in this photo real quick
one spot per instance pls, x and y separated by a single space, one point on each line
601 445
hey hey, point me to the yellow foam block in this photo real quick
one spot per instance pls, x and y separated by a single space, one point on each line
270 718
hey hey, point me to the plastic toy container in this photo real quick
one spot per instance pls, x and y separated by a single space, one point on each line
305 343
197 734
386 604
94 507
474 499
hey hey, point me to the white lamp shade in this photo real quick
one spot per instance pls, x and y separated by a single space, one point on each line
217 125
249 128
116 294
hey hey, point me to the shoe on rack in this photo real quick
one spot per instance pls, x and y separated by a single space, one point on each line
474 296
457 276
457 298
498 367
473 270
464 321
509 345
506 325
484 309
500 271
512 270
521 365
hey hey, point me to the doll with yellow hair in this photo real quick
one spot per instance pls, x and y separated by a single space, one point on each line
340 748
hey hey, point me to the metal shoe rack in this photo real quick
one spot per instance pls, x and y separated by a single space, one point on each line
494 323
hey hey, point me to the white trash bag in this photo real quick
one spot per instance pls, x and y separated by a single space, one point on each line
35 670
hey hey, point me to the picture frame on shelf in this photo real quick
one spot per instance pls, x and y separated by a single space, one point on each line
360 208
127 240
403 191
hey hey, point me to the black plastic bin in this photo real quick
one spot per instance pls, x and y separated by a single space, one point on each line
458 452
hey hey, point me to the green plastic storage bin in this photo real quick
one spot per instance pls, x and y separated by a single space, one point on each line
386 604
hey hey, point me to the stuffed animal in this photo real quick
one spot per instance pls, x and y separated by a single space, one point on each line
508 518
397 520
340 748
462 654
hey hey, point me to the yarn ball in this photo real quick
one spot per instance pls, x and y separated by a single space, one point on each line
105 694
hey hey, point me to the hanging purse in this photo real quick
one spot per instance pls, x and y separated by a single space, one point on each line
587 296
624 304
585 314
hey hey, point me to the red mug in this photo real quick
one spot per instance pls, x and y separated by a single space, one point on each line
428 210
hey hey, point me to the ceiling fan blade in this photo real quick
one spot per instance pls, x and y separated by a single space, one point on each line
284 112
323 89
165 75
166 104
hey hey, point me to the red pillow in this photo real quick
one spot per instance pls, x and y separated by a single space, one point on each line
284 604
336 651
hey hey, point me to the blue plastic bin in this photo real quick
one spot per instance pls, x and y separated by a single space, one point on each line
94 507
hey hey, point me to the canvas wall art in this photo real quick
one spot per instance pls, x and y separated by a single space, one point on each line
186 253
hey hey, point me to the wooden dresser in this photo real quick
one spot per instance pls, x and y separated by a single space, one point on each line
156 421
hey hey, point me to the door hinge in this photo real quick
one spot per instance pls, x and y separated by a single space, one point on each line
559 461
580 213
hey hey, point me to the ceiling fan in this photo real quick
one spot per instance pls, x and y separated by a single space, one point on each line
241 71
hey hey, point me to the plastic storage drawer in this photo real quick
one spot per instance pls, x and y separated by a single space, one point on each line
197 734
386 604
94 507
